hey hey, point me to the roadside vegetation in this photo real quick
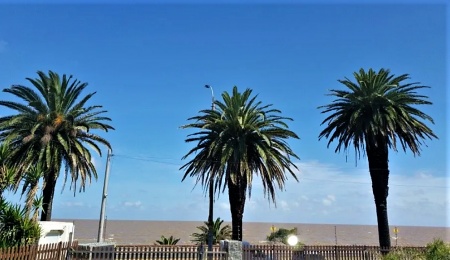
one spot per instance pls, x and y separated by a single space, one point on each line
281 235
167 241
16 226
219 232
436 250
374 113
49 133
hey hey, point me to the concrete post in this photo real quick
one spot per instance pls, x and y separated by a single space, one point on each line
233 247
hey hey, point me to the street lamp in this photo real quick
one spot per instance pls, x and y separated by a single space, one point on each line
213 106
211 189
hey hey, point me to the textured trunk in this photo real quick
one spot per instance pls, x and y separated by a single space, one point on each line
379 173
236 195
47 197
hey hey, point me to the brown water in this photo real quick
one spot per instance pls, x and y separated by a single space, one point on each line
126 232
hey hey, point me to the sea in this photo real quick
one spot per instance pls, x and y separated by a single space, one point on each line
145 232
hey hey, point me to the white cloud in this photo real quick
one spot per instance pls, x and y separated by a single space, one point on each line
284 205
133 204
327 193
328 200
73 204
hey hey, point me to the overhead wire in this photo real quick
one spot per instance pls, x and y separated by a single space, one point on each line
161 160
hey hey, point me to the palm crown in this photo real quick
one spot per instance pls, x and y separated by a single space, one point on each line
377 104
53 127
239 138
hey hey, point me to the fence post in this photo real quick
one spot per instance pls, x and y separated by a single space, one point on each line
58 253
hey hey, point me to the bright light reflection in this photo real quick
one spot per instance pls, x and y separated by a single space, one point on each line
292 240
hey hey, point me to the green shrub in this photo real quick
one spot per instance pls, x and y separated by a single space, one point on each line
218 232
437 250
404 254
281 235
16 228
167 241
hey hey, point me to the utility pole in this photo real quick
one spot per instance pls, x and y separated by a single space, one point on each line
101 224
211 191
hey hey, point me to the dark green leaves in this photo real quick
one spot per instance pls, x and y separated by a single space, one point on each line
377 103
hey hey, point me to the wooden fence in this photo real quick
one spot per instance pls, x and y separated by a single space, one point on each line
37 252
73 251
188 252
283 252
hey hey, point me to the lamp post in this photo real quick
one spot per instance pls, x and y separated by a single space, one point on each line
101 224
211 190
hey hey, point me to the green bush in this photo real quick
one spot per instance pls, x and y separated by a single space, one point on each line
281 235
404 254
437 250
16 228
218 232
167 241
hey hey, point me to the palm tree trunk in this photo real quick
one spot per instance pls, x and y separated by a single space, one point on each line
379 173
236 196
30 197
47 197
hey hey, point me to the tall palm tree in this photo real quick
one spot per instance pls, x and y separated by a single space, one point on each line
52 127
374 114
238 139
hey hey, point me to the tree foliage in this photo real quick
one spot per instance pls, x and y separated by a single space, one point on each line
16 227
52 127
219 233
281 235
240 139
167 240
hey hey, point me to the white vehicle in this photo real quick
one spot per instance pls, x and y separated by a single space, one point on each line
55 232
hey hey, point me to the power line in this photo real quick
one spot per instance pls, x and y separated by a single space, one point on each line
160 160
148 159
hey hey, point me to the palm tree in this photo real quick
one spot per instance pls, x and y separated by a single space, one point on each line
238 139
52 127
218 232
167 241
31 185
374 114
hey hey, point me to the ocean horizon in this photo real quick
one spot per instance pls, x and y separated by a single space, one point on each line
145 232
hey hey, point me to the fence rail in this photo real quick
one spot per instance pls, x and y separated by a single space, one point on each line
55 251
283 252
73 251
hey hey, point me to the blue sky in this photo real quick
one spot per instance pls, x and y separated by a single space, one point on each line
149 63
